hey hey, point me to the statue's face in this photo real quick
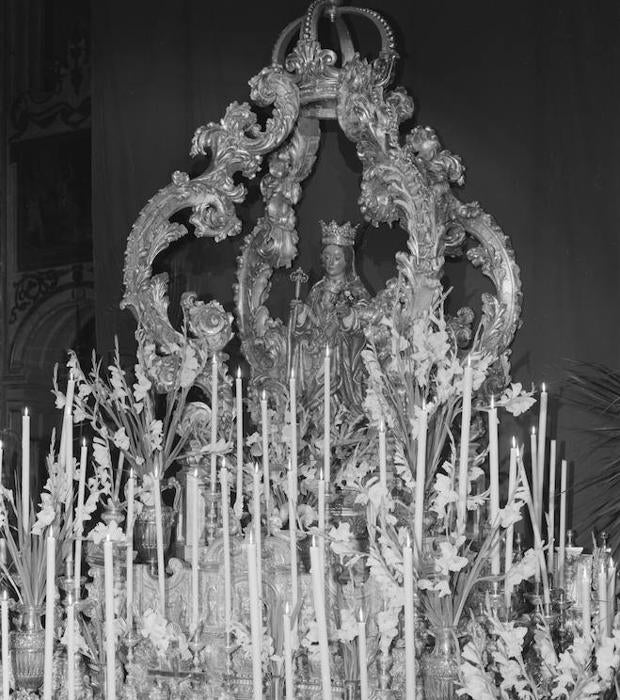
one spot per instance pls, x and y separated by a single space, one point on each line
334 260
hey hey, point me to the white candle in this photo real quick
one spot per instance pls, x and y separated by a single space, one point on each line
25 484
494 486
540 455
326 416
110 639
1 463
562 533
226 540
420 482
131 486
602 599
71 650
50 600
239 414
159 536
464 451
68 419
321 508
586 592
318 594
292 531
265 436
363 656
195 542
288 652
551 514
255 619
257 531
214 419
6 691
410 660
611 597
293 405
512 482
382 455
534 479
79 531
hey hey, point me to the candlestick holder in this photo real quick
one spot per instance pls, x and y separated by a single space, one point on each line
212 506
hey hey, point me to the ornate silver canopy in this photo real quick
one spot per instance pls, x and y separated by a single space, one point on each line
406 180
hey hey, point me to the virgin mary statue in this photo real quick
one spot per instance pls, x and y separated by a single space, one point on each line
332 316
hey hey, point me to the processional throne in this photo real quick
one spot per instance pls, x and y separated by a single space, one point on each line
408 180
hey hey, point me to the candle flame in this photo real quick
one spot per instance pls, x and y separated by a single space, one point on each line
287 608
238 372
381 425
131 473
263 396
196 473
83 442
293 374
469 360
26 412
313 541
321 474
251 536
5 596
1 444
360 616
514 442
544 388
256 468
492 402
214 360
408 539
534 430
327 351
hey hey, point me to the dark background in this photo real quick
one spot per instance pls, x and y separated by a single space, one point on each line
526 93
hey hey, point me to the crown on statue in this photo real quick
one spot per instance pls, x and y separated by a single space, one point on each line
335 234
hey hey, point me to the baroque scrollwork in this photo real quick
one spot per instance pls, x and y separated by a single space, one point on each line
236 144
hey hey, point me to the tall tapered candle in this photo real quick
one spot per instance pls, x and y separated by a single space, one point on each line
239 421
25 485
195 543
542 440
494 486
534 459
293 408
1 463
410 661
611 597
362 649
512 482
265 435
6 690
256 514
551 514
226 540
382 454
602 599
586 592
327 416
292 531
50 601
318 595
79 517
68 418
288 652
214 418
131 489
562 532
420 482
321 516
255 618
110 639
159 537
464 449
71 650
